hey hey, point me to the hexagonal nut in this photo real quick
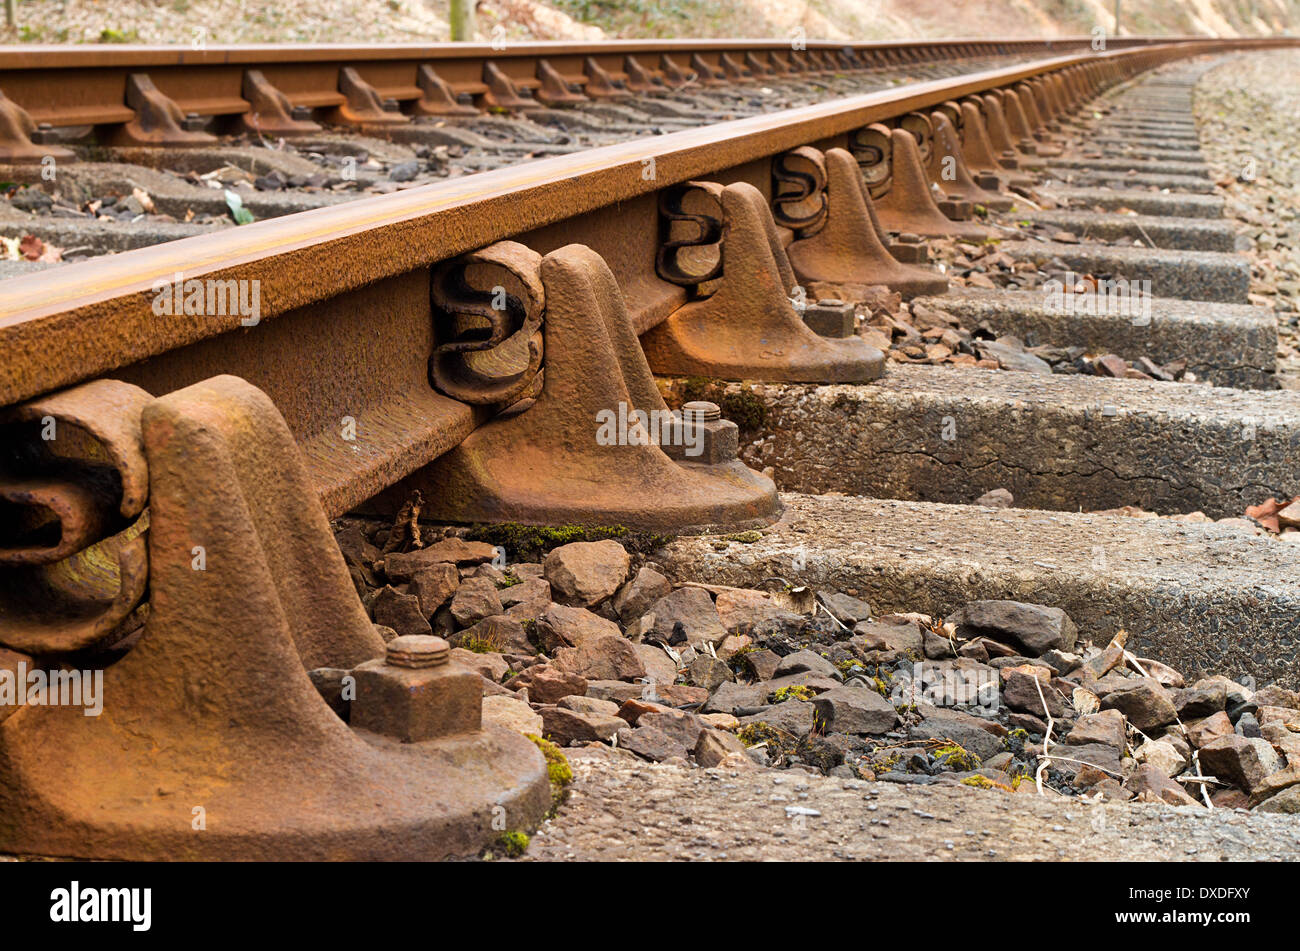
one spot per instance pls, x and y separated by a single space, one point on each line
412 705
830 318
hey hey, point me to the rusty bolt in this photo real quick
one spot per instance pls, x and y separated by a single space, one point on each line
1008 159
830 318
392 105
415 693
988 181
910 249
300 113
700 435
956 210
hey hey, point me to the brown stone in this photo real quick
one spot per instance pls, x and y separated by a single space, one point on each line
399 611
1209 729
1246 763
1021 692
547 684
561 626
401 566
566 726
1106 728
634 598
1149 783
1146 704
475 599
585 573
708 672
694 610
604 657
650 743
434 585
714 746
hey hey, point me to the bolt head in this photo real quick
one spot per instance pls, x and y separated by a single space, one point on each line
416 651
701 411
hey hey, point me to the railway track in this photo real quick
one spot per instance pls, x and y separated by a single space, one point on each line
182 419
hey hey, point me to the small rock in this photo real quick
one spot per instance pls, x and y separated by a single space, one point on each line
604 657
1162 755
650 743
693 610
848 610
1246 763
1199 701
434 585
708 672
404 171
1033 627
1106 728
511 713
996 499
793 716
475 599
634 598
583 574
1021 692
1286 802
805 660
855 710
1211 728
561 626
399 611
401 566
1150 782
571 726
762 664
589 704
714 747
548 684
1144 702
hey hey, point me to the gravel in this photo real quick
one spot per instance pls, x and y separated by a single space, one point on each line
1246 109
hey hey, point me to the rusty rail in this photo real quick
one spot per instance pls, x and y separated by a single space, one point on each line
160 95
354 278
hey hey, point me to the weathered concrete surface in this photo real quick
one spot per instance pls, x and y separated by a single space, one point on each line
625 809
1145 166
1191 275
950 434
1182 205
1192 184
1187 234
1224 344
1202 597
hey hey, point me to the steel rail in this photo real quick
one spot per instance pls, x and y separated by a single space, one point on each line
88 85
346 320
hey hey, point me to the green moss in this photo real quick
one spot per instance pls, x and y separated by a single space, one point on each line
958 757
479 644
748 537
558 770
509 580
983 782
794 692
513 844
